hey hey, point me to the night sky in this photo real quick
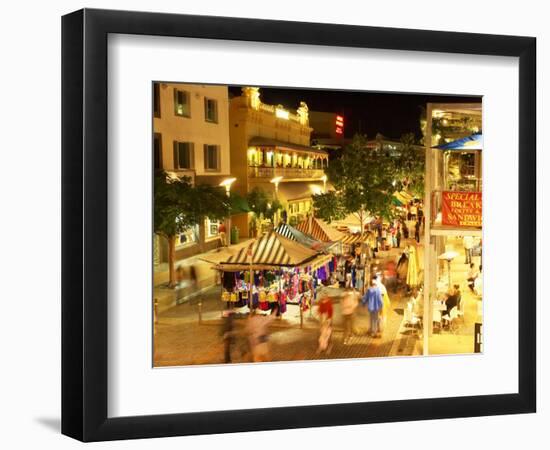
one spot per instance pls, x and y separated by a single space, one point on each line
370 113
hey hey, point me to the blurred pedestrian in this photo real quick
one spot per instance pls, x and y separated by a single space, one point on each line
325 311
373 301
417 231
468 243
325 337
257 329
227 333
348 305
324 307
405 230
398 236
386 305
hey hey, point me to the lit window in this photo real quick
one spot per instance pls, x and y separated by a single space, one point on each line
182 106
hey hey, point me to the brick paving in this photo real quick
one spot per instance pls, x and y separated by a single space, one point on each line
181 340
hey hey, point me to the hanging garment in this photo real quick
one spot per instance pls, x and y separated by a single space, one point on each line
228 280
282 306
255 300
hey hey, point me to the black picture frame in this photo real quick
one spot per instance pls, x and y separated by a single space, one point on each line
84 224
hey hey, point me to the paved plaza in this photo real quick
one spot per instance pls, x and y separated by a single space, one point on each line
181 340
191 333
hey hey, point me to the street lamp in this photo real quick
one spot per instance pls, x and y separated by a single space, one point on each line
227 185
276 182
448 256
324 179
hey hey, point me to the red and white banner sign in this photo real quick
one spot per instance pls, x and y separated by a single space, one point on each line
461 209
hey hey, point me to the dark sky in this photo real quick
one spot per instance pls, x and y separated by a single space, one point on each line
369 113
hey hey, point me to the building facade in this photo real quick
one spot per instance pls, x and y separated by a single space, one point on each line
452 204
271 150
191 138
328 132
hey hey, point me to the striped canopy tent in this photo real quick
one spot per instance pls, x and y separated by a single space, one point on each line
293 234
401 198
473 142
320 230
269 252
354 238
224 253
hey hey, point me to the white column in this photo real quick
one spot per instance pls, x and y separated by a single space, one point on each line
427 320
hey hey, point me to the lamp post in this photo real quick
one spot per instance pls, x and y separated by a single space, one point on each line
276 182
448 256
324 179
227 185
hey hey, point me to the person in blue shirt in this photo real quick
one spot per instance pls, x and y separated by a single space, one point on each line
373 300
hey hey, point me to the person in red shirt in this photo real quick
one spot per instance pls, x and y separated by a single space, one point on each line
223 234
325 310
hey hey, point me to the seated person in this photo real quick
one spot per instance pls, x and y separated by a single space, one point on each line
453 299
471 276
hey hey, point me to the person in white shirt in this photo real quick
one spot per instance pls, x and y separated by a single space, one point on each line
478 283
468 242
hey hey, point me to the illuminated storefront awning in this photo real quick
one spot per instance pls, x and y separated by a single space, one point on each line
473 142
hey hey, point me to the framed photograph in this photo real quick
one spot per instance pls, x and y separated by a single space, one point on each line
273 225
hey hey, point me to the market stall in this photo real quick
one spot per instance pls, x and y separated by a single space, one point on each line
271 270
289 232
323 232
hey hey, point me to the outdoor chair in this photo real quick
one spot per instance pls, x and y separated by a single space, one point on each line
409 318
436 318
450 319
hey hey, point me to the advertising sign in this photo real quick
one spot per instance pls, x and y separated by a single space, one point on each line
461 209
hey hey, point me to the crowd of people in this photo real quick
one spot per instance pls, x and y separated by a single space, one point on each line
251 336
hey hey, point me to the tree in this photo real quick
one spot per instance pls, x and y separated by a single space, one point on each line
411 163
365 179
262 204
179 205
329 206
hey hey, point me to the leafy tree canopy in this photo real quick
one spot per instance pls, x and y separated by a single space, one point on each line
262 204
365 178
178 204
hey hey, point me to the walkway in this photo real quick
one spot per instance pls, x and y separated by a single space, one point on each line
181 340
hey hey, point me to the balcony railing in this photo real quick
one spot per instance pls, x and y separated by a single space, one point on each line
285 172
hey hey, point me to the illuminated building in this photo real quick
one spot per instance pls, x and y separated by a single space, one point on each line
271 142
191 138
328 131
453 214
